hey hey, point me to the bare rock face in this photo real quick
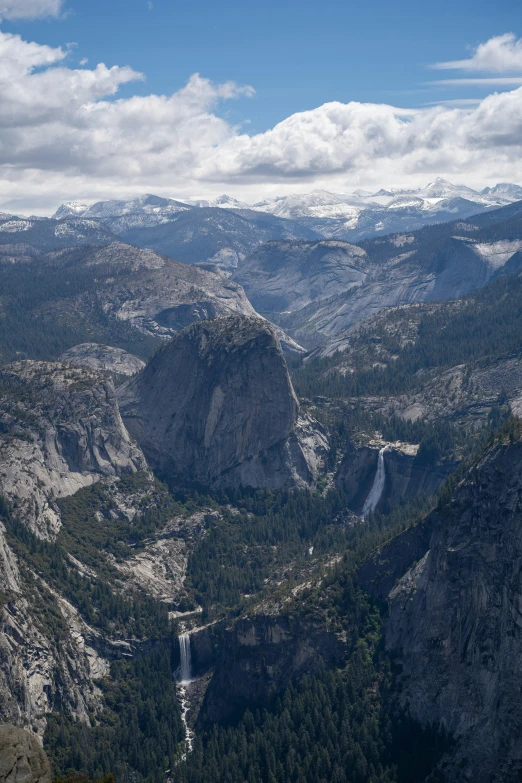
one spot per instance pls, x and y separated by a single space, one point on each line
60 430
103 358
216 407
22 760
286 276
455 622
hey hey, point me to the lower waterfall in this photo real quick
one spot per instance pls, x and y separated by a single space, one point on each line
370 504
183 684
184 656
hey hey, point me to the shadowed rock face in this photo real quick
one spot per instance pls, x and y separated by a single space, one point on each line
21 758
216 407
259 656
455 622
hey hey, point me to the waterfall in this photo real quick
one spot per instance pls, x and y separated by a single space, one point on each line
370 504
183 683
184 652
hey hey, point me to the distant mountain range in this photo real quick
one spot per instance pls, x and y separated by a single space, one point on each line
223 232
312 287
204 231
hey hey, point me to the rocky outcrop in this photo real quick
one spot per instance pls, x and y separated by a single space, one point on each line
161 567
260 655
381 570
51 658
22 760
147 290
455 626
216 407
38 672
156 294
60 430
102 358
467 393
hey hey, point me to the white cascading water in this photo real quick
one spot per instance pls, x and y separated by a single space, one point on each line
184 655
370 504
184 682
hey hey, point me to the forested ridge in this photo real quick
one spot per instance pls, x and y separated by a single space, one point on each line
46 308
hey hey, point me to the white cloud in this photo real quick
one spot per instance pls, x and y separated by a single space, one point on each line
455 102
494 81
41 97
501 54
354 139
29 9
64 133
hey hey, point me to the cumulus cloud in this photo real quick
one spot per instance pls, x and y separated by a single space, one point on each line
355 138
501 54
29 9
38 93
65 133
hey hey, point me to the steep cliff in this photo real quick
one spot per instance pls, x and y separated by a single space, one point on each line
407 474
260 655
280 277
60 430
216 407
455 618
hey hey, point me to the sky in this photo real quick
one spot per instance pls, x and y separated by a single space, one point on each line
191 99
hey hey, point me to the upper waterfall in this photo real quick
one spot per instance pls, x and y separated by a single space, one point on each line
371 502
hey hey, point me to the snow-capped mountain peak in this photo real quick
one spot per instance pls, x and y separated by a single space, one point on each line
441 188
317 214
318 204
504 190
71 209
222 202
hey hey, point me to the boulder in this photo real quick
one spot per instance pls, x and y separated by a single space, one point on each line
22 760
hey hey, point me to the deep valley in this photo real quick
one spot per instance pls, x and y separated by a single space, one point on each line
260 495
